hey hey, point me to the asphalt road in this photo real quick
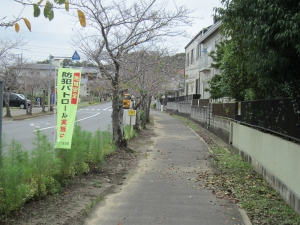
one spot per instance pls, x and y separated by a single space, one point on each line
90 118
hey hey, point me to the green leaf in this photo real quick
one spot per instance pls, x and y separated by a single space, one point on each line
51 15
36 10
60 2
47 9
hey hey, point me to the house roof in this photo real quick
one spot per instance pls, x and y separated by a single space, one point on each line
204 33
85 70
212 29
90 70
37 66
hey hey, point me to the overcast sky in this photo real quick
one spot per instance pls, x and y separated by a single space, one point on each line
54 38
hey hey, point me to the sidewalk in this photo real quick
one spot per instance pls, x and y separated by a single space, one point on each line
16 111
163 189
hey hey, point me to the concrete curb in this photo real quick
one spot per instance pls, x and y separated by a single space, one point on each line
243 214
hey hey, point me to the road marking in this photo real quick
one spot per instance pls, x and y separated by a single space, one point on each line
38 124
107 108
46 128
87 117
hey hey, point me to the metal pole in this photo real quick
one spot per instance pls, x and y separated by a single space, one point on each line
199 84
49 88
184 81
54 104
1 112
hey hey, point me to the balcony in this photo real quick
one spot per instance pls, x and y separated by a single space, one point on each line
205 63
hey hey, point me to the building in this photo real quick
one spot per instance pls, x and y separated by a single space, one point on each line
198 68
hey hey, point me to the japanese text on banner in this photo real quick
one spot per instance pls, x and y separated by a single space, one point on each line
68 86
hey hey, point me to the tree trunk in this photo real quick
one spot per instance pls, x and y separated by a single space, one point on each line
29 110
136 127
8 114
117 113
6 103
43 104
148 106
143 113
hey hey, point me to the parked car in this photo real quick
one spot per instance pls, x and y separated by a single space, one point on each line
17 100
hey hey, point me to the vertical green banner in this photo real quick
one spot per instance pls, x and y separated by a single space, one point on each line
68 84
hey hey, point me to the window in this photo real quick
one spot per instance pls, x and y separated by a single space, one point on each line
192 56
188 59
199 50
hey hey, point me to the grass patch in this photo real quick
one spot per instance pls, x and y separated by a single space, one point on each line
187 122
91 205
237 181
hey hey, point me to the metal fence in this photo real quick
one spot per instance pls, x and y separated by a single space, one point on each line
224 109
184 98
281 116
203 102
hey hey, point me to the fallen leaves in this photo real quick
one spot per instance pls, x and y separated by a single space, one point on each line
236 181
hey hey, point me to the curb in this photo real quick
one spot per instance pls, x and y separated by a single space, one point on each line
243 214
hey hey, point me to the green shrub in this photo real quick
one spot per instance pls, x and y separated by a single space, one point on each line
25 176
153 106
101 145
80 145
42 162
129 132
13 175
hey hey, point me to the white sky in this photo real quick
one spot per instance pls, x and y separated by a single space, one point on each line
54 38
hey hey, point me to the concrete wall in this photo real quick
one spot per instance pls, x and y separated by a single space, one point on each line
181 107
276 159
199 114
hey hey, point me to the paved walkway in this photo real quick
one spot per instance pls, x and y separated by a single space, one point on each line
163 189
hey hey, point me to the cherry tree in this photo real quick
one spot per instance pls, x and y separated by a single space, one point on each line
10 65
117 28
148 73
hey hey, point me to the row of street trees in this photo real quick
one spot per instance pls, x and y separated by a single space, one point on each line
118 33
125 41
260 58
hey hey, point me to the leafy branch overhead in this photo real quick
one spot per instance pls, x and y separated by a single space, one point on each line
48 10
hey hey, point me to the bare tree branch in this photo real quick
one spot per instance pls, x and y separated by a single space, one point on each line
116 30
